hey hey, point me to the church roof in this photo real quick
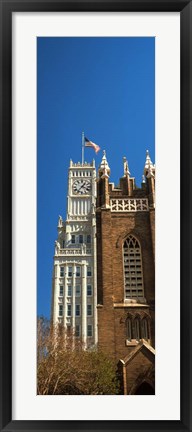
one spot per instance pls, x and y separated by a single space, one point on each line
142 346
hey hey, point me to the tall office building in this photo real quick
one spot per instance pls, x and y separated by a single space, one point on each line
74 289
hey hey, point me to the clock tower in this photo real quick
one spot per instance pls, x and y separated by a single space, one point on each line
74 290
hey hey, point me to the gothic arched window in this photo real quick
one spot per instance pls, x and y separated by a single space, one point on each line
133 272
137 328
144 329
129 329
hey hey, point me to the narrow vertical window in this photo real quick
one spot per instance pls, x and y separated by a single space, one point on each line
78 271
73 238
144 328
77 310
61 271
60 310
78 290
61 290
80 238
129 329
89 290
70 271
133 273
69 290
88 238
89 330
89 272
68 310
89 310
137 329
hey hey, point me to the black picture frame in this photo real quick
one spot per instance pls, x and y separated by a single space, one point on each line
6 9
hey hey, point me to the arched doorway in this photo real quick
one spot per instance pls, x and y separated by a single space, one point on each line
145 389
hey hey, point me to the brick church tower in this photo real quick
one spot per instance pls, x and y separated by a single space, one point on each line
125 218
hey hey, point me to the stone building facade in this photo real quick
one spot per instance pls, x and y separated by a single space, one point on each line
125 218
74 284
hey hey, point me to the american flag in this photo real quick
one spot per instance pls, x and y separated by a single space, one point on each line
89 143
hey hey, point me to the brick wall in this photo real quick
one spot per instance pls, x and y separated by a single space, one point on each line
112 230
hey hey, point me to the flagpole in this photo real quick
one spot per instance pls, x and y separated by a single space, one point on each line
83 145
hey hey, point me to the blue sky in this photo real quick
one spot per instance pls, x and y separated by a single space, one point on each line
106 88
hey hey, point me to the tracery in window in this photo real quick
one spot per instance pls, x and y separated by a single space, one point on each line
144 329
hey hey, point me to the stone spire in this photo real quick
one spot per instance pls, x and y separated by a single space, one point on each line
126 167
149 168
104 170
149 172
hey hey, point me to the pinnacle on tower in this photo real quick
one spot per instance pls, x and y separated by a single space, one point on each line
60 221
149 167
150 173
126 167
104 170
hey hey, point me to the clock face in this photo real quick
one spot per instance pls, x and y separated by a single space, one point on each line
81 186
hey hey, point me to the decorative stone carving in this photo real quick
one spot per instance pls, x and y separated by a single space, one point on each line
60 221
129 204
57 247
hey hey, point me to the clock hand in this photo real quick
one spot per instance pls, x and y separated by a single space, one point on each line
82 185
79 187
